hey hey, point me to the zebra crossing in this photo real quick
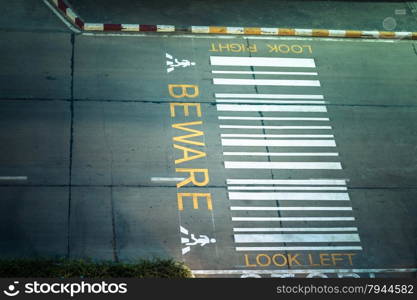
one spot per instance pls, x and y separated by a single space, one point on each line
281 132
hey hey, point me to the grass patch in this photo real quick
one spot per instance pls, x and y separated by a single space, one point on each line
64 268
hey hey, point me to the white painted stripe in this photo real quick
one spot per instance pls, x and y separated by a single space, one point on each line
402 34
280 154
235 30
167 179
337 33
372 33
183 230
71 14
253 37
278 143
287 196
273 127
61 17
271 101
297 238
288 181
269 96
278 135
165 28
300 271
272 118
291 229
297 208
265 73
323 248
269 31
271 82
262 61
287 108
289 188
282 165
274 219
13 178
130 27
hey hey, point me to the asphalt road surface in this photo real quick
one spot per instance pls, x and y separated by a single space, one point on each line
240 156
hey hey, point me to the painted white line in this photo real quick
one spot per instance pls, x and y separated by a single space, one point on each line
287 196
296 208
167 179
280 154
278 135
262 61
291 229
283 165
276 219
274 127
297 238
265 73
289 188
288 181
287 108
301 271
323 248
271 82
13 178
272 118
271 101
279 143
269 96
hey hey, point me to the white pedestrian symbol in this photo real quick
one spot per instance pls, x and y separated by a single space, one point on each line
191 240
173 63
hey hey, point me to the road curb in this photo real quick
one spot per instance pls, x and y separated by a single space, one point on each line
65 9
